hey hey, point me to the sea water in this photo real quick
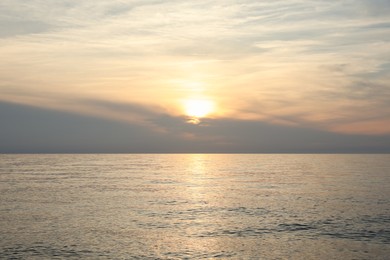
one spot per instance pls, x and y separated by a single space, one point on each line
194 206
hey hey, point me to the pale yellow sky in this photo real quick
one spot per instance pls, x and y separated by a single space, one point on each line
318 64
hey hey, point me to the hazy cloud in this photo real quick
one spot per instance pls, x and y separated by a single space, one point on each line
27 129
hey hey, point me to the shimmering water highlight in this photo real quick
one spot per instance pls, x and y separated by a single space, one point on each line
195 206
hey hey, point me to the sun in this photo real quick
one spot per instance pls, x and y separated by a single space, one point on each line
198 107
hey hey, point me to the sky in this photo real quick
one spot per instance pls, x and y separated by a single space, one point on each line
195 76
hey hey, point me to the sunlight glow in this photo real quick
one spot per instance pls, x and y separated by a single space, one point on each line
198 107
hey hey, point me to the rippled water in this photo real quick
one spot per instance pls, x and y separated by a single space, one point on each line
195 206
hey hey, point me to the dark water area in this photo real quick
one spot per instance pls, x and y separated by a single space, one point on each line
195 206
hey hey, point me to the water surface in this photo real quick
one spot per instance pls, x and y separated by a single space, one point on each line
195 206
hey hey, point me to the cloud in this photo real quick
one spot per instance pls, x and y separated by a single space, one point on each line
321 64
28 129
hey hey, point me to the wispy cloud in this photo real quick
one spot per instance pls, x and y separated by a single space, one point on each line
322 64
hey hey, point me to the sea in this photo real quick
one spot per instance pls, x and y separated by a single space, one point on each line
195 206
